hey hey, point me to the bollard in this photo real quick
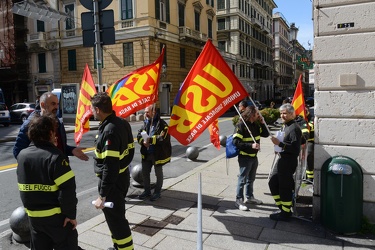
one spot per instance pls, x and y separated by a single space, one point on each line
192 153
136 174
19 223
223 140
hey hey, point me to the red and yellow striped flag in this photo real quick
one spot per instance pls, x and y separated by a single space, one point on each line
298 101
84 112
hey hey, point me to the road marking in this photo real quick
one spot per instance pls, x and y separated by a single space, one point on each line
8 167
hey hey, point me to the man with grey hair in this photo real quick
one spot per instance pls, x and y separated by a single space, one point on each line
281 183
49 104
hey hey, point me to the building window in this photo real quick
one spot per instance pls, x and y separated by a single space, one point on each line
221 45
72 60
182 58
162 10
126 9
42 63
181 14
197 20
221 24
165 53
128 54
40 26
220 4
209 28
69 22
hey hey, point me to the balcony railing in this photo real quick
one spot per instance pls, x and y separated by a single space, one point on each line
126 24
266 29
256 22
188 33
37 37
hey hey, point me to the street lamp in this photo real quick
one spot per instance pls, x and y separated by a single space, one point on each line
293 40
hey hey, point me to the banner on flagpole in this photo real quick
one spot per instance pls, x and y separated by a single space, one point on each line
298 101
136 90
208 91
82 123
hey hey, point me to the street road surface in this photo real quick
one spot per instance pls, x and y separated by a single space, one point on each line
85 177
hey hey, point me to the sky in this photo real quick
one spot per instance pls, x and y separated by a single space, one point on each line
300 13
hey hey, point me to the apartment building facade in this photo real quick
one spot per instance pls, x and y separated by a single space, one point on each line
244 36
142 28
286 68
14 63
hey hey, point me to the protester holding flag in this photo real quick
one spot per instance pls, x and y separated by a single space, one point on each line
156 150
241 108
247 157
114 150
281 183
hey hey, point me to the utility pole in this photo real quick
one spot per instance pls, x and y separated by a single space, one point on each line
98 45
97 30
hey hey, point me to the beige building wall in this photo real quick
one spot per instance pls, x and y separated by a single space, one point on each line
344 58
147 35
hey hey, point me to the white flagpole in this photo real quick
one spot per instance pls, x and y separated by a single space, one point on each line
252 137
199 214
269 132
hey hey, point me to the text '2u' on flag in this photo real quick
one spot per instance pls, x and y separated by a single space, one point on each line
82 123
136 90
298 101
209 89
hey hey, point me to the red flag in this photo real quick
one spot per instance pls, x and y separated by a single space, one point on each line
214 134
136 90
298 101
208 91
84 112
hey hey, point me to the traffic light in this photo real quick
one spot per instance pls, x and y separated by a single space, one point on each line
106 23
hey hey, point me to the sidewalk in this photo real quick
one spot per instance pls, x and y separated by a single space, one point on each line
171 222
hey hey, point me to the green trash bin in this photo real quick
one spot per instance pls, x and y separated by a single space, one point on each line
341 195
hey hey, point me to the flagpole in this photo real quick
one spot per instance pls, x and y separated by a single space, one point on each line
239 113
98 44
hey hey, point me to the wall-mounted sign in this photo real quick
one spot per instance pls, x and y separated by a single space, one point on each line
305 61
345 25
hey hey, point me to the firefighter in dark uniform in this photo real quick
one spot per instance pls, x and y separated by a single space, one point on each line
310 149
113 154
156 151
281 183
247 157
48 189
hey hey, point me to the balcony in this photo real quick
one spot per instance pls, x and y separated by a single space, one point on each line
266 29
256 22
37 40
126 24
257 61
189 34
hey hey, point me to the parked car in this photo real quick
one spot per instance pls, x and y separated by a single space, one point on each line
20 111
259 105
4 115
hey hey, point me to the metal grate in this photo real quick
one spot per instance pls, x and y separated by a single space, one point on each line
174 219
150 227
